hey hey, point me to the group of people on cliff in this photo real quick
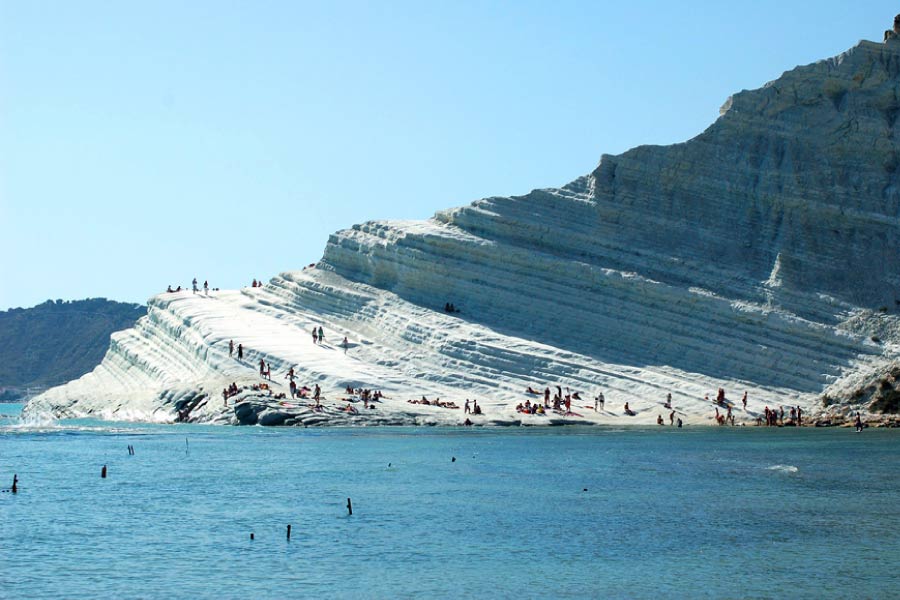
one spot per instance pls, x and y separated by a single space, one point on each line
436 402
775 418
194 288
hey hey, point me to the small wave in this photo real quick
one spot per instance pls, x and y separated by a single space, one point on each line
38 420
44 423
783 468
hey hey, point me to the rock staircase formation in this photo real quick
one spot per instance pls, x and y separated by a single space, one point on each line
762 255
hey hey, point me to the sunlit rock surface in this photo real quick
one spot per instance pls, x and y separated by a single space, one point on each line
762 256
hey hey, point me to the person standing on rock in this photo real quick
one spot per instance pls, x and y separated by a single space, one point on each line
799 416
230 347
240 352
315 335
206 288
744 401
262 368
317 394
466 410
321 335
672 418
194 285
859 423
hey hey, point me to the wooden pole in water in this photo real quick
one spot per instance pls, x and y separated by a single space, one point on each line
349 506
289 532
15 487
103 472
251 536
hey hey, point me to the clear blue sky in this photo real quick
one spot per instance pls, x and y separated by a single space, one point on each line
143 144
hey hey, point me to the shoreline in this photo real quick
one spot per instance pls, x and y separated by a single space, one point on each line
255 409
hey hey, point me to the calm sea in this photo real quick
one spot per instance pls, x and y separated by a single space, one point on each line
526 513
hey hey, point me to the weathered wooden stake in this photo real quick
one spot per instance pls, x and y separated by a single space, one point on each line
289 532
251 536
103 472
349 506
15 487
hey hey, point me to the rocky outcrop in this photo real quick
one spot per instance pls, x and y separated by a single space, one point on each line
762 255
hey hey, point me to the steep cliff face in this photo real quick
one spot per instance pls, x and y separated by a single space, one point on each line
764 254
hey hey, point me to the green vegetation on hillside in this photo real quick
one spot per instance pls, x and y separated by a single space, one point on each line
56 342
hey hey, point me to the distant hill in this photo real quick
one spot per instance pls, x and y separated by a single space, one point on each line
57 341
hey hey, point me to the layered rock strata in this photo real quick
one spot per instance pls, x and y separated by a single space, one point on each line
762 255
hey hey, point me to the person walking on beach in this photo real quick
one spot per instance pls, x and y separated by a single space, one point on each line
321 334
240 352
230 347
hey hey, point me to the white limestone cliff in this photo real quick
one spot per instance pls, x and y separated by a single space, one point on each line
762 255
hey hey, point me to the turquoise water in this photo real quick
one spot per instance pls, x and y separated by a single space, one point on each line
699 513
